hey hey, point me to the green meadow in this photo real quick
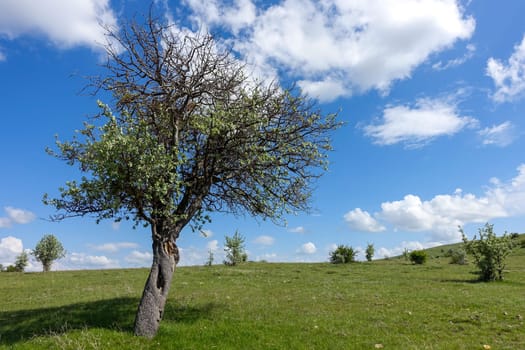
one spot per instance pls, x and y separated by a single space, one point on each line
389 304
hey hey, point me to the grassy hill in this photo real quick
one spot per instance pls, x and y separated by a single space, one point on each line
388 304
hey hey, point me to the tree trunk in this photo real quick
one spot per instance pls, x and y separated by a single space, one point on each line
151 307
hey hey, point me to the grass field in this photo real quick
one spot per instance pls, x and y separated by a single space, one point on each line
388 304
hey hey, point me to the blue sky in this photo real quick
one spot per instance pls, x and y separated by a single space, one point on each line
432 93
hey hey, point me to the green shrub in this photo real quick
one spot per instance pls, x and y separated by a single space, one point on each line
370 250
489 252
458 256
343 254
234 248
418 257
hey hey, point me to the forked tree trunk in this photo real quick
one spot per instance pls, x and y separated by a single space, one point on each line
151 307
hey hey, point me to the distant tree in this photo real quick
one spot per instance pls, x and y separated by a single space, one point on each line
458 256
370 250
209 261
235 251
343 254
11 268
21 262
1 268
418 257
489 252
47 250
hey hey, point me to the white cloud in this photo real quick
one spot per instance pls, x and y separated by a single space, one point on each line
65 23
16 216
3 57
361 45
139 259
509 78
10 248
498 135
265 240
235 15
456 61
114 247
307 248
360 220
324 90
213 245
417 125
81 261
397 251
298 229
442 214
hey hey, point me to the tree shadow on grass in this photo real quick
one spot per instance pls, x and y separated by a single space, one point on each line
115 314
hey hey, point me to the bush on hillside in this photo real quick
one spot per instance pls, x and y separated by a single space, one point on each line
343 254
458 256
489 252
418 257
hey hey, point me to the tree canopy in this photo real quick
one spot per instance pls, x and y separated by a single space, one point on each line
47 250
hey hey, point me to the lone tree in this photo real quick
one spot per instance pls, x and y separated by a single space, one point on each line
47 250
234 248
369 253
188 132
489 252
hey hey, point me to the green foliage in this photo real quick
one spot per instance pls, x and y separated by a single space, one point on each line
11 268
489 252
458 256
47 250
418 257
343 254
235 251
21 262
369 253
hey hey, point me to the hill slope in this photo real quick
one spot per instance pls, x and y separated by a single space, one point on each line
272 306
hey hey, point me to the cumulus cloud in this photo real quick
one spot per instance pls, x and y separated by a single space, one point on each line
16 216
307 248
362 221
139 259
213 245
399 250
442 214
114 247
265 240
500 135
417 125
82 261
509 78
235 15
360 45
64 23
10 248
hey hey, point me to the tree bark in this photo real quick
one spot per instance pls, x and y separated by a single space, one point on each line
151 307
